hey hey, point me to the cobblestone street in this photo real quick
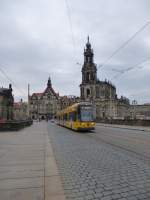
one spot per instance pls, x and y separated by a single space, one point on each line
92 168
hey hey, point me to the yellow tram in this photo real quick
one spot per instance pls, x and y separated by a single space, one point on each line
79 116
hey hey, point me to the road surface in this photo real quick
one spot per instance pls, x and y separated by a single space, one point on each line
107 164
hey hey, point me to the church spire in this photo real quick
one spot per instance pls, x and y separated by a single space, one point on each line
88 52
88 39
88 45
49 84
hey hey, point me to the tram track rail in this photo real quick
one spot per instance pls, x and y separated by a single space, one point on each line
99 137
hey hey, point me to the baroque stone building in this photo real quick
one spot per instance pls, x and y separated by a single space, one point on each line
44 105
101 93
6 103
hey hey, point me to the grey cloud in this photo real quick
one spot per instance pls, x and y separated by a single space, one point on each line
36 41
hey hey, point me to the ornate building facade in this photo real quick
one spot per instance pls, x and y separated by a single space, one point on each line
65 101
6 103
101 93
44 105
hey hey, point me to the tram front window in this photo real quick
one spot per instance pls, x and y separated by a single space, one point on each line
86 114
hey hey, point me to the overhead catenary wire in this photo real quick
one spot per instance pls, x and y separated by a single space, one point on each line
11 81
130 68
140 93
125 44
2 78
71 26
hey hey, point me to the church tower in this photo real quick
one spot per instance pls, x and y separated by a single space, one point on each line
89 74
49 84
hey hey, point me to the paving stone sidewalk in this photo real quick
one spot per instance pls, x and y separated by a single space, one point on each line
28 169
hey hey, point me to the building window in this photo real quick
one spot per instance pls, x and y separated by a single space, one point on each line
87 76
88 92
97 92
82 92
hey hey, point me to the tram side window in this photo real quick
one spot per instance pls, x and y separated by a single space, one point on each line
65 117
79 114
72 116
75 116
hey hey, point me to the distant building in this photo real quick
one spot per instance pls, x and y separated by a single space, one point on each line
44 105
6 103
65 101
101 93
140 111
20 110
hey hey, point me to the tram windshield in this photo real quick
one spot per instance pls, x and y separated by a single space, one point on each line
86 113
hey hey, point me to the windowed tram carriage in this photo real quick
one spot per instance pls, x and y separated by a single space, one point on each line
79 116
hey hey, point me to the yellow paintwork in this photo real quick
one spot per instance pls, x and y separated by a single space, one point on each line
75 125
78 125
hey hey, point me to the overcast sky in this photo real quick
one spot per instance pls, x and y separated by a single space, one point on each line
37 41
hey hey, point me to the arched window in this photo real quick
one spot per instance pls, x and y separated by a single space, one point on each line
87 76
82 92
92 76
88 92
